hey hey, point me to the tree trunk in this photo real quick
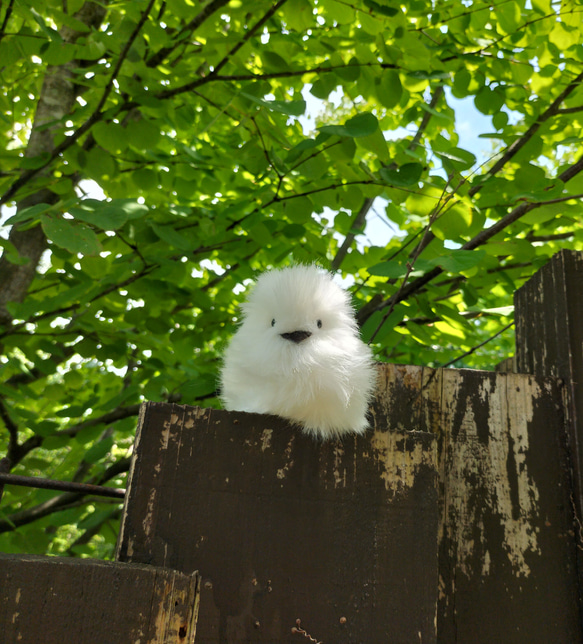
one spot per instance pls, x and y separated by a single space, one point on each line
57 99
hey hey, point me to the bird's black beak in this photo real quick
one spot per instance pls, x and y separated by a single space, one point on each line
296 336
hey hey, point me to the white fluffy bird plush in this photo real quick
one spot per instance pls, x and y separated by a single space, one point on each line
297 354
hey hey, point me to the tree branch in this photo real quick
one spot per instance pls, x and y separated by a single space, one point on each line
517 145
360 218
357 224
570 110
186 31
57 98
11 428
6 19
214 75
480 239
95 116
531 237
110 417
61 502
478 346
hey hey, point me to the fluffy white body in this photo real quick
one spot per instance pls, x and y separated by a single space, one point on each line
298 355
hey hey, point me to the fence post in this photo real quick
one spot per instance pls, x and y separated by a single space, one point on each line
449 522
340 535
56 600
549 341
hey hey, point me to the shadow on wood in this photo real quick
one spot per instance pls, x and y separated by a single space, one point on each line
54 600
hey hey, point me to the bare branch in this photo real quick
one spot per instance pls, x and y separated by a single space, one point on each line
358 223
64 501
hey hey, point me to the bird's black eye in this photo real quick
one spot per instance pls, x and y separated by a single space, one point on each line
319 323
273 322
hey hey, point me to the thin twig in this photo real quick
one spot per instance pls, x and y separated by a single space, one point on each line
410 265
62 486
474 349
360 218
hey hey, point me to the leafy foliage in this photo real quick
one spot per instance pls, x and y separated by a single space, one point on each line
190 118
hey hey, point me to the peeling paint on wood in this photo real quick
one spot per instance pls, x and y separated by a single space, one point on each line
283 528
506 544
497 460
52 600
549 340
456 505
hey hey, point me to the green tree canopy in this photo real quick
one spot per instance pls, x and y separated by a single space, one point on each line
155 158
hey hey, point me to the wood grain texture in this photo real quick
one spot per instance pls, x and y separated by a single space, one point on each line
549 340
341 535
54 600
461 492
507 550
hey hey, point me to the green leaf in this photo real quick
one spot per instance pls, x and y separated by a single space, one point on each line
143 134
99 450
457 159
70 235
110 136
508 14
460 260
455 223
489 101
389 89
28 214
11 253
174 238
291 108
392 270
382 8
407 175
202 386
363 124
293 231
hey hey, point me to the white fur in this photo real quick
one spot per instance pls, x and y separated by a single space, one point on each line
325 382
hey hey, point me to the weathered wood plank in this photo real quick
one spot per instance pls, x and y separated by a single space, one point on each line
341 535
284 528
53 600
549 339
507 554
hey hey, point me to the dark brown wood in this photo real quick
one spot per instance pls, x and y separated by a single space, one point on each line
340 535
345 536
549 340
507 553
53 600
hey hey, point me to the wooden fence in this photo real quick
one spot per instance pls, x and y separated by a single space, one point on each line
454 520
